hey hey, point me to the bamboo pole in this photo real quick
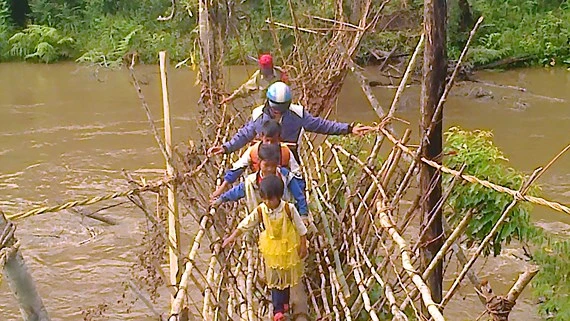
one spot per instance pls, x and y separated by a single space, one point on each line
457 232
486 240
358 275
19 278
406 261
396 312
521 283
473 179
173 221
181 294
207 310
249 281
407 73
330 239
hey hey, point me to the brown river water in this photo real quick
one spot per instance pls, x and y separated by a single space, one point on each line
66 131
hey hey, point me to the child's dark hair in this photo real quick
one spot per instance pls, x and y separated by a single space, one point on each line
271 128
271 187
270 153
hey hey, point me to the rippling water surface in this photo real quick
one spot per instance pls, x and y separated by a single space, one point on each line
67 131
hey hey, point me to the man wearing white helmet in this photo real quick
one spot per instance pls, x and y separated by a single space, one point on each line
293 118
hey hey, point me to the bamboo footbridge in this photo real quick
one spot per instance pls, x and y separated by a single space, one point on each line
364 199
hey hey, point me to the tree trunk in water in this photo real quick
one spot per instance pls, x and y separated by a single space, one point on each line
434 73
22 284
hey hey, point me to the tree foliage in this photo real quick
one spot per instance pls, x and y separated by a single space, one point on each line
475 150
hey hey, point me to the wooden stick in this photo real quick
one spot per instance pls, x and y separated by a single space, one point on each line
181 294
19 278
330 239
343 23
523 280
294 27
207 310
486 240
441 253
358 275
323 278
173 220
407 73
450 83
406 261
143 298
396 312
473 179
148 114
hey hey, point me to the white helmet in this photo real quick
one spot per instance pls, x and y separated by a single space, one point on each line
279 96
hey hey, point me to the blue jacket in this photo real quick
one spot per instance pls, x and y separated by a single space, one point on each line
238 192
232 175
292 122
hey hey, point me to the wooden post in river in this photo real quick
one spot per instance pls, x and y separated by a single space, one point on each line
433 84
173 221
18 276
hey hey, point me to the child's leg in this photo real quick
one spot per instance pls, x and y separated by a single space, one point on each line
279 298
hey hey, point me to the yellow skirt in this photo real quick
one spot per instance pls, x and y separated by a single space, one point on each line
283 267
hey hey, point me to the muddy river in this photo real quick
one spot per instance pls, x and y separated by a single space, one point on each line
66 131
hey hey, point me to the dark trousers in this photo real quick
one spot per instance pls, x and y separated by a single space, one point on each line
279 298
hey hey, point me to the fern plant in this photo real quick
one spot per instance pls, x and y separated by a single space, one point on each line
40 43
112 57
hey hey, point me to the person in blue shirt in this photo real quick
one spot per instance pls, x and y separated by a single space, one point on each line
293 119
269 155
270 134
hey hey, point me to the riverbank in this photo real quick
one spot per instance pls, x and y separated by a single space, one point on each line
514 33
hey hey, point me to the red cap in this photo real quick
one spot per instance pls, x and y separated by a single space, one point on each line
266 61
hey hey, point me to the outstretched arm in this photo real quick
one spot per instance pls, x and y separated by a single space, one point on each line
245 226
245 89
238 167
241 138
330 127
221 189
324 126
234 194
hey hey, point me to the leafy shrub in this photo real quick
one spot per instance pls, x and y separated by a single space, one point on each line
40 43
484 160
5 22
551 284
538 29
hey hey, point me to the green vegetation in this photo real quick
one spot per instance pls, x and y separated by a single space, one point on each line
97 31
484 160
475 149
40 43
537 30
104 31
551 284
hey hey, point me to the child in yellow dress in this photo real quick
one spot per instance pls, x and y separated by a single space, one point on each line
282 244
